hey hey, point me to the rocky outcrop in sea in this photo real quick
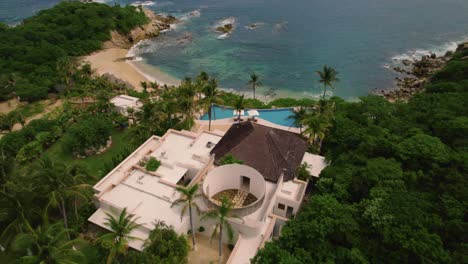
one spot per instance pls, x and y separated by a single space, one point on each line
414 74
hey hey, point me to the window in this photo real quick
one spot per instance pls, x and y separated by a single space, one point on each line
281 206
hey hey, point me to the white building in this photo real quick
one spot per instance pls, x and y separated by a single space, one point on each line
124 102
264 189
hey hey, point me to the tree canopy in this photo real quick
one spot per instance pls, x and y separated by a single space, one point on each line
33 54
396 189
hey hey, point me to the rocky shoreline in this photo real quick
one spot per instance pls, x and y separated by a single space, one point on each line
157 24
415 74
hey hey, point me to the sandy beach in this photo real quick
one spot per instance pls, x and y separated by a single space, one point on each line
110 61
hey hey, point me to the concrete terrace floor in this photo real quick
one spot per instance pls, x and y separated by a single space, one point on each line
207 252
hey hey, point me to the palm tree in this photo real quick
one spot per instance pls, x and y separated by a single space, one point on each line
239 105
189 194
66 67
16 209
144 85
60 186
186 98
298 117
211 93
78 174
316 128
255 82
221 214
201 81
48 244
327 77
203 77
117 240
154 86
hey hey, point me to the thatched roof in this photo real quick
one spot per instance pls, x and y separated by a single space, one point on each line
269 150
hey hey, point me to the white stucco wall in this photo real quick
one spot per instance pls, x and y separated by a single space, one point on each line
229 177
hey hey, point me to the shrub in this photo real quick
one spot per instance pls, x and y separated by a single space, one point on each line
230 159
302 172
88 135
29 152
45 138
153 164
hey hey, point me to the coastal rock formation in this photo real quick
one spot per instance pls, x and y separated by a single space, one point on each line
152 29
416 73
226 29
116 81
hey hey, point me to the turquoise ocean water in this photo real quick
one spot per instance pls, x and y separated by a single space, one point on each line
362 39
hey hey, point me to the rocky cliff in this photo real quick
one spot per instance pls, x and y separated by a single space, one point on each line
156 24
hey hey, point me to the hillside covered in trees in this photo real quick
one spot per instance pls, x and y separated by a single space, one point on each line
34 56
396 189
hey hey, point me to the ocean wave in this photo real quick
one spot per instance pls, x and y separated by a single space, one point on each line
143 3
136 50
223 23
189 15
226 21
280 26
223 36
152 3
102 1
439 50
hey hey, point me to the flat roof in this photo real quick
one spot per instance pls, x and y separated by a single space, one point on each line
317 163
124 100
149 196
290 190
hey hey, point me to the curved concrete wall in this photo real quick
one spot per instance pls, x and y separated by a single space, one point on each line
230 177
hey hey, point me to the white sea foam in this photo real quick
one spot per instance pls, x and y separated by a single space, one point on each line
280 26
439 50
226 21
254 26
136 50
102 1
223 36
143 3
186 16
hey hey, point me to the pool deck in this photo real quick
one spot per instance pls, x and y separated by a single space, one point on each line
225 123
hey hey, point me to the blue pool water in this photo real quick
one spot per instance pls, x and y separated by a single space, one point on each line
276 116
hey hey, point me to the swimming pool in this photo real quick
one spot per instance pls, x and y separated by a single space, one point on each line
277 116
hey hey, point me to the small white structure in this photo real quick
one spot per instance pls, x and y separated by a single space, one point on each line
263 202
124 102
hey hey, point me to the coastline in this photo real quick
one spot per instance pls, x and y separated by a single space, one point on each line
415 72
115 57
112 61
120 61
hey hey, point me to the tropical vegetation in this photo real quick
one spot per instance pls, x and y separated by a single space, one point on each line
395 190
188 198
221 215
37 56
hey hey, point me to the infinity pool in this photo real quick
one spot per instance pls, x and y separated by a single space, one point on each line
276 116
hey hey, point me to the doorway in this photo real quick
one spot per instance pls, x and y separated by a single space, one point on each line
245 183
289 212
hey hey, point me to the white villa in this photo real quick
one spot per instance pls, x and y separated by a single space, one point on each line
264 189
124 102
